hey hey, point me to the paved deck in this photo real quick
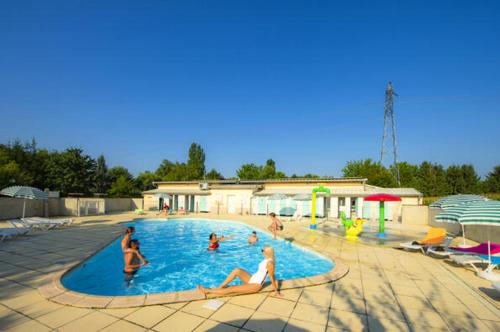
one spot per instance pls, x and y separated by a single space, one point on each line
385 290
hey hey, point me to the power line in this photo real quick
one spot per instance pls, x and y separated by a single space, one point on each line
390 129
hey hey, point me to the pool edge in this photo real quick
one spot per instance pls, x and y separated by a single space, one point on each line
53 290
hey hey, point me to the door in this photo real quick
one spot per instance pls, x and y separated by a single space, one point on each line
203 204
261 206
231 204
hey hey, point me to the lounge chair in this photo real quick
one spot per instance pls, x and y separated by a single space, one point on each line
39 223
62 221
481 249
434 238
7 233
474 260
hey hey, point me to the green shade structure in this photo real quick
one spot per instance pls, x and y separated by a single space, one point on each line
473 213
381 219
302 197
277 197
455 200
24 192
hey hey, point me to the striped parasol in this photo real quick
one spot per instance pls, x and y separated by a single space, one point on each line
455 200
474 213
24 192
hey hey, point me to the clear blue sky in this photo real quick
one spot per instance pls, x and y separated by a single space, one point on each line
301 82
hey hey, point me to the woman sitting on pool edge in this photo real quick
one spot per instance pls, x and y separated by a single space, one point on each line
251 283
213 241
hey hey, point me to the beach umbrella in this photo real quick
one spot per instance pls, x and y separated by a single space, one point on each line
455 200
277 197
382 198
473 213
24 192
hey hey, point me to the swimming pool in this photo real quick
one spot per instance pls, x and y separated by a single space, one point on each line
179 260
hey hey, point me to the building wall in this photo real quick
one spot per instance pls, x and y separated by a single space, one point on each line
13 208
220 200
415 215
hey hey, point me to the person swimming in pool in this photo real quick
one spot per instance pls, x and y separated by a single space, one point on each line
276 224
213 241
252 283
133 258
252 239
126 239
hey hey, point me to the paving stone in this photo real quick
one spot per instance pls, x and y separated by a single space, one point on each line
213 326
179 322
322 299
62 316
232 314
249 301
149 316
123 326
119 312
265 322
310 313
29 326
296 325
347 320
277 306
94 321
376 324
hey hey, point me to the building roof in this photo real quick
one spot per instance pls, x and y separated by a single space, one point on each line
354 191
285 180
177 192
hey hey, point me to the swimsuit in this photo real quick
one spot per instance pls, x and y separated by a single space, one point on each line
260 276
213 246
280 228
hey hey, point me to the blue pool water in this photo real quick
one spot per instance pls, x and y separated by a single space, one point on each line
179 260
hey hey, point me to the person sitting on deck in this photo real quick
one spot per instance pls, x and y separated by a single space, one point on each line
252 283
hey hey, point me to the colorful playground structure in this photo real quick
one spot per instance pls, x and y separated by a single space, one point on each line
352 227
316 190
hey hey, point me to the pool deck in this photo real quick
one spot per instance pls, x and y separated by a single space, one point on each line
384 290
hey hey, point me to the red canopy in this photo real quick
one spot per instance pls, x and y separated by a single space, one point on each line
382 198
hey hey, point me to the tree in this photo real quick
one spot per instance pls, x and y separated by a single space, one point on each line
101 176
196 162
164 169
407 174
249 172
375 173
432 180
214 175
71 171
123 187
462 179
145 180
118 171
471 179
11 174
492 181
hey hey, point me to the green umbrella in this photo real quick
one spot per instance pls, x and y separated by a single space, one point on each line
24 192
474 213
454 200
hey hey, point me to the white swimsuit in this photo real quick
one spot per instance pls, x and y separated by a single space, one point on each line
260 276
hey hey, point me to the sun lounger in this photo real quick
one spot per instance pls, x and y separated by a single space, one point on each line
474 260
434 238
7 233
481 249
63 221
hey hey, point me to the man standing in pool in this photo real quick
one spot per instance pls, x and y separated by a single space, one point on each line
213 241
252 283
276 224
133 258
126 239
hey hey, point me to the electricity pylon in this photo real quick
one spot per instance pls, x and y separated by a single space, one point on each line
390 129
